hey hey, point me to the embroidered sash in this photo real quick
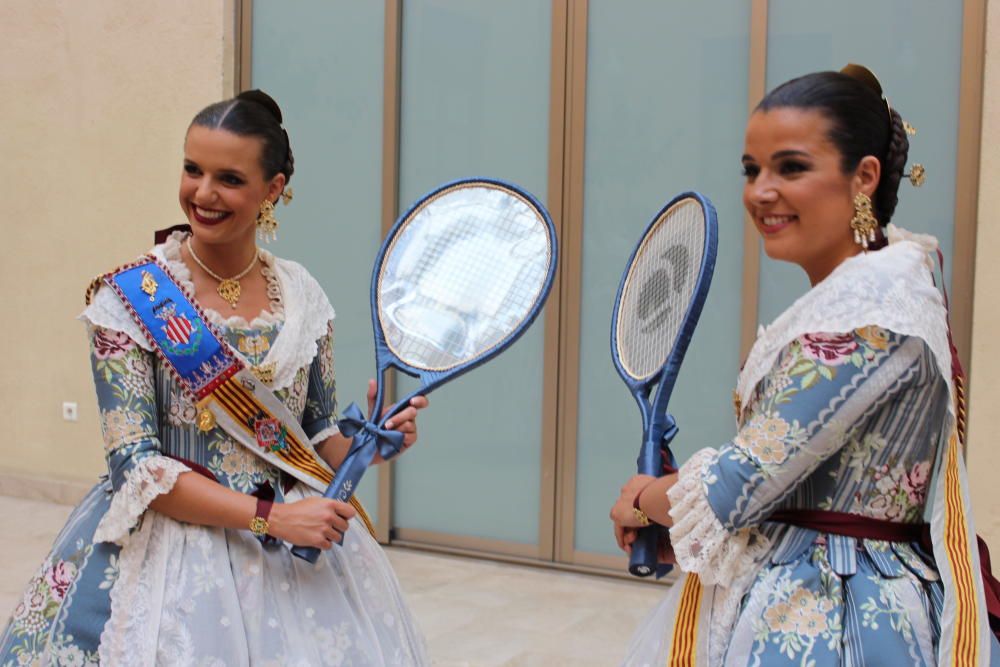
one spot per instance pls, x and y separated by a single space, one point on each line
229 395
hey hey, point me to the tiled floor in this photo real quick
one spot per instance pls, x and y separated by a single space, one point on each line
474 613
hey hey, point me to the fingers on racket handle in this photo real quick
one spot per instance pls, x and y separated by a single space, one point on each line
643 560
310 554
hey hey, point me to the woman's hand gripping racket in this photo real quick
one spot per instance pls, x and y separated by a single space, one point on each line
459 278
659 301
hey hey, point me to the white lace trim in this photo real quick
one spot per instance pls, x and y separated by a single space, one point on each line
107 311
151 477
891 288
307 312
701 543
324 434
308 317
170 254
135 600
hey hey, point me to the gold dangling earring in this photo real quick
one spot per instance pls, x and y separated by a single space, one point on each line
267 224
863 223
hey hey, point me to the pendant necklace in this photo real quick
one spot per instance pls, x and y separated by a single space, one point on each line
229 288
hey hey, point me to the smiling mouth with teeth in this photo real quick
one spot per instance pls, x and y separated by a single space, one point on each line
775 222
205 215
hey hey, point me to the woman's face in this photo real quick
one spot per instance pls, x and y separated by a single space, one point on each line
799 199
223 184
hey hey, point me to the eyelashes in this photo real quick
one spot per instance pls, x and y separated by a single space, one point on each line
785 168
229 179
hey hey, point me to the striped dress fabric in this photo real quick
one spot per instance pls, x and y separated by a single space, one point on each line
845 421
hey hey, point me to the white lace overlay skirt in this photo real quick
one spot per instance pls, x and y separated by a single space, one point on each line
192 595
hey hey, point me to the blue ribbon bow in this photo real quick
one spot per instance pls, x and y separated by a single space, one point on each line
355 425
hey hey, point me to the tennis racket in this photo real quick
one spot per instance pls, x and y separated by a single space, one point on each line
656 310
460 277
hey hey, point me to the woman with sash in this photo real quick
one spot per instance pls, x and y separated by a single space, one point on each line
213 363
802 540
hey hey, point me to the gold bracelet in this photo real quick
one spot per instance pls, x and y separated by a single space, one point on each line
640 516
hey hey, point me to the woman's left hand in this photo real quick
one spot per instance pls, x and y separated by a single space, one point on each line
405 421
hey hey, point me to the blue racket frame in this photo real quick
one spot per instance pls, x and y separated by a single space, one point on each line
658 427
359 458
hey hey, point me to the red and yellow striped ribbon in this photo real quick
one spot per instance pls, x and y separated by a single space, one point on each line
965 638
243 406
683 647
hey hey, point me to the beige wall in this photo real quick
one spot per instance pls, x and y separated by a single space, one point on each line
984 395
95 97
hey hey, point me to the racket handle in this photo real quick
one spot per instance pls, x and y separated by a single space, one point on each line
309 554
643 561
343 485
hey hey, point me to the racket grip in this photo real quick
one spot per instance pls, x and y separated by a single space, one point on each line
309 554
343 485
643 560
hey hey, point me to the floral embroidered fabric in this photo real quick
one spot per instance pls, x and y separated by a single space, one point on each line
847 421
129 586
844 405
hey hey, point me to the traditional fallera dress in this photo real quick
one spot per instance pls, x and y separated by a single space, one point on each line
847 406
125 585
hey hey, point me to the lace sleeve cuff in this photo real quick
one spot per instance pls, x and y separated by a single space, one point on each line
151 477
701 543
324 434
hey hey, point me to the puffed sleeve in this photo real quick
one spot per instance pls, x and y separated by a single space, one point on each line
822 386
138 470
319 419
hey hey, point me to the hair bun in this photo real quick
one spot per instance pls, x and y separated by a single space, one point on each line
864 75
264 100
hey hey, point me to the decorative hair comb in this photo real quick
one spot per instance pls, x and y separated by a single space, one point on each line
917 173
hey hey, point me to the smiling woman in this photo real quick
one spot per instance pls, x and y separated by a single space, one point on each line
213 364
802 539
796 190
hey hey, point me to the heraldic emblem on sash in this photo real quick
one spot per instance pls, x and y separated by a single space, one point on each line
183 335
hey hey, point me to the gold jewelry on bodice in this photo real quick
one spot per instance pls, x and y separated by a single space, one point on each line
229 288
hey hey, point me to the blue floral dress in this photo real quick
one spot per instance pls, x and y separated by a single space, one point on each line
852 420
124 585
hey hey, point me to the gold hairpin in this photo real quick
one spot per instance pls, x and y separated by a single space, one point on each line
286 196
909 129
917 175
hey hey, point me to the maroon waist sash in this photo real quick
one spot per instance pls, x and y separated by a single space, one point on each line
852 525
867 528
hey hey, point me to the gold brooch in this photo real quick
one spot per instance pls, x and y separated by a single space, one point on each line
264 372
149 285
206 420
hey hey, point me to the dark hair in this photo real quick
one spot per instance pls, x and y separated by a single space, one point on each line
861 124
253 113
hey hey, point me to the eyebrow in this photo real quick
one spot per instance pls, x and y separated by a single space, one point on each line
789 153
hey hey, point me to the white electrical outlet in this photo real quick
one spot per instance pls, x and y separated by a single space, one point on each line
69 412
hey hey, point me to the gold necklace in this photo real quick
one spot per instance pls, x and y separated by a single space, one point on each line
229 288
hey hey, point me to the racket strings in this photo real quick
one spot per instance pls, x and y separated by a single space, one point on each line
459 279
658 289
